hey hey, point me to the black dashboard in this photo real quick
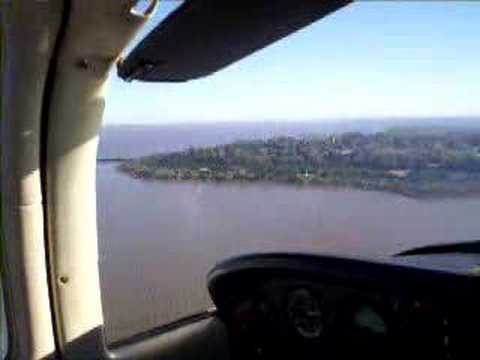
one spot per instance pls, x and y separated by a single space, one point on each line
293 306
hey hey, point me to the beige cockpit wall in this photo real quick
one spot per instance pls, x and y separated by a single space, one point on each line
29 31
95 33
57 59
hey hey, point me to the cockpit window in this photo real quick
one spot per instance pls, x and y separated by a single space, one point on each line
358 135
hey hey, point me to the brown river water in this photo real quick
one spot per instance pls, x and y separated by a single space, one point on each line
159 239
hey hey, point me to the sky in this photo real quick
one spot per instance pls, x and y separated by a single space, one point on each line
367 60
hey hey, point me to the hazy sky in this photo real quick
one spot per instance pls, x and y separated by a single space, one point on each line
370 59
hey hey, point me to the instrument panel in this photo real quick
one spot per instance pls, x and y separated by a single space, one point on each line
288 314
298 319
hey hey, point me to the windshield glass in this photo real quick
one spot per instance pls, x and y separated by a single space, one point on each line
358 135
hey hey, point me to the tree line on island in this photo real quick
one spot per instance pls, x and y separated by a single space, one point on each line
409 161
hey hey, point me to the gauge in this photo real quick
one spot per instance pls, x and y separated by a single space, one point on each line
304 313
369 319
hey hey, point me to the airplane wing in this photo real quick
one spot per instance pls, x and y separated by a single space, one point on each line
204 36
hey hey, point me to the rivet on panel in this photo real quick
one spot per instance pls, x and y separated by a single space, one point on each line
63 280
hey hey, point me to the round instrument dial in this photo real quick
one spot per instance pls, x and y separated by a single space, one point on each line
304 313
367 318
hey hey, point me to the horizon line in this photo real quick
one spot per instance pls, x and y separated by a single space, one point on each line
290 121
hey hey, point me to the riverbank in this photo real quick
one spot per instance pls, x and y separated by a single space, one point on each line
413 189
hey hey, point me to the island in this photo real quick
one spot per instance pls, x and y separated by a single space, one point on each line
412 162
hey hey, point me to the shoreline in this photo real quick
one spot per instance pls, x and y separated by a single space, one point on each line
407 193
